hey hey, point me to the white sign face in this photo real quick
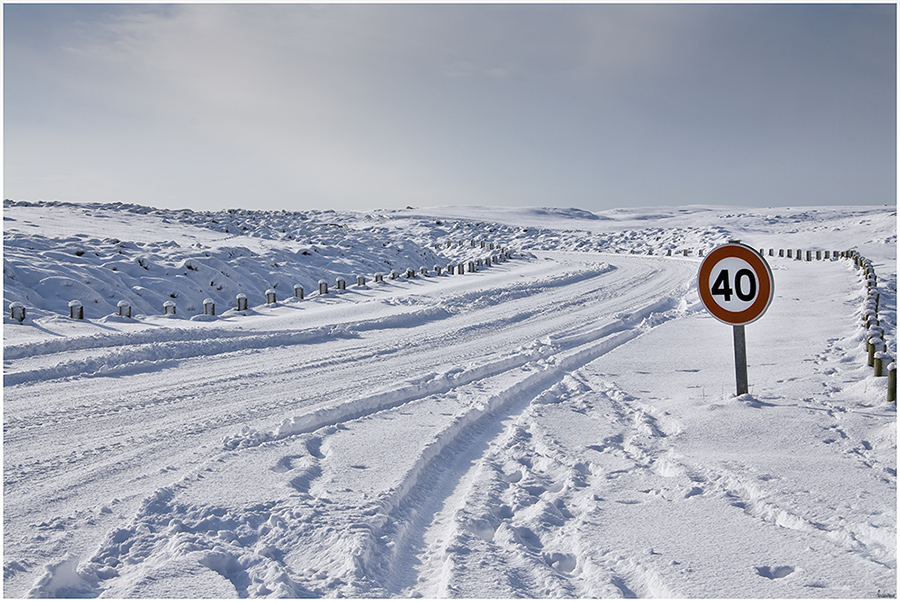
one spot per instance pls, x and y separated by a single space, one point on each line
735 284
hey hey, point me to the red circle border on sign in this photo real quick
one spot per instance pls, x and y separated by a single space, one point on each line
763 275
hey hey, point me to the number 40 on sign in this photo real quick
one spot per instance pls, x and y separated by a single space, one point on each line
736 286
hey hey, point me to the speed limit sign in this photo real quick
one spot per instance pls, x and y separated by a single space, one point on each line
735 284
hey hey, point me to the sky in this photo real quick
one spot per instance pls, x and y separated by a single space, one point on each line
364 106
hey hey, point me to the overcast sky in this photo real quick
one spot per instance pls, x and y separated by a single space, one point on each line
293 106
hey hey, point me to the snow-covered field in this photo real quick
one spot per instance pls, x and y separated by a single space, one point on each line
558 424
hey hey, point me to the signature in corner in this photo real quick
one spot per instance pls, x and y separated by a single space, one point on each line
881 594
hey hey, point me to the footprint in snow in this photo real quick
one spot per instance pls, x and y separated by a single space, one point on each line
561 561
314 447
776 572
694 491
528 538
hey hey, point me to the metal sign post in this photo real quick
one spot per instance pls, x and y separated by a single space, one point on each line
736 286
740 359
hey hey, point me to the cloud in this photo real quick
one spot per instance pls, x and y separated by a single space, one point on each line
367 105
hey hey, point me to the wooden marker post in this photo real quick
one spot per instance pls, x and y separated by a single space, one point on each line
76 310
17 311
736 286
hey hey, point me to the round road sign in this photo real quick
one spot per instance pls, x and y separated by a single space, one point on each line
735 284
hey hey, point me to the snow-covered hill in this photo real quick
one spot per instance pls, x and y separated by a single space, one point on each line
556 424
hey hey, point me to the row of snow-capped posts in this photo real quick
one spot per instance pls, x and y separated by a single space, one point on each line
820 254
789 253
878 358
76 309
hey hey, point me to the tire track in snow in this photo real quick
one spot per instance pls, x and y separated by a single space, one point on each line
398 509
413 507
549 348
436 383
522 504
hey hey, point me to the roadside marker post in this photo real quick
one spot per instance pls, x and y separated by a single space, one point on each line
736 286
76 311
17 311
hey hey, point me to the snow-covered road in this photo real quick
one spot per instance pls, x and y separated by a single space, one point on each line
145 415
560 424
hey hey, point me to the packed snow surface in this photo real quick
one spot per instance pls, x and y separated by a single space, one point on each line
559 422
